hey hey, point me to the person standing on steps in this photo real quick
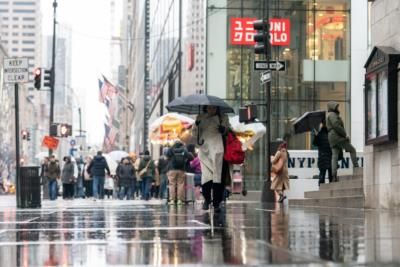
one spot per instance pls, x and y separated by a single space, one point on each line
324 153
338 138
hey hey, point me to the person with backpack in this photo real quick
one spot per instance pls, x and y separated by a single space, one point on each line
178 156
126 173
212 125
163 165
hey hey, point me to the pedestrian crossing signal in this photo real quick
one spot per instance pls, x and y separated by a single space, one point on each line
37 77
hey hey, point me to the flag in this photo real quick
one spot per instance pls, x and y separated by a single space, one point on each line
101 99
107 91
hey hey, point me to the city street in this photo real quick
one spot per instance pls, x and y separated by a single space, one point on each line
119 233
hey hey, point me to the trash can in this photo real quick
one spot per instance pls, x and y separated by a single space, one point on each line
29 191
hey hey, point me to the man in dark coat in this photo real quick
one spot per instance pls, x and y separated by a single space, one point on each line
324 153
97 168
338 138
126 173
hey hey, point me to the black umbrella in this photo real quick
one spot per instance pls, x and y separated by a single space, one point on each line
193 104
309 121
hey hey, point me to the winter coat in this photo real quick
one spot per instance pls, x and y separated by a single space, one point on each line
126 173
186 157
211 153
336 132
195 165
67 176
53 170
281 180
98 166
163 165
324 149
151 170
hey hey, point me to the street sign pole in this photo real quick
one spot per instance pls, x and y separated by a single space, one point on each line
17 150
267 195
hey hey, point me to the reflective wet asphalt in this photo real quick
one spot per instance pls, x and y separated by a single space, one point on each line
127 233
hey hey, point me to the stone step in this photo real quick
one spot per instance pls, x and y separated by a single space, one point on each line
336 202
347 192
342 184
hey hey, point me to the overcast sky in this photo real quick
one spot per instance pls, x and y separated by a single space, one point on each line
90 22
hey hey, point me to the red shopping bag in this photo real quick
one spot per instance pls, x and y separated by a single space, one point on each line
234 153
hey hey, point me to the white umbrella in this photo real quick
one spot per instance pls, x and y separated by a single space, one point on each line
248 134
112 164
41 155
117 155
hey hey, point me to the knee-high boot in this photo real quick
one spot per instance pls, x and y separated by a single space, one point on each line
206 190
218 194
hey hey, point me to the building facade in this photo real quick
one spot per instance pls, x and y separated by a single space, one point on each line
313 39
381 174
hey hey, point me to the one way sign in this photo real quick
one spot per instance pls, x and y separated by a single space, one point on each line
278 65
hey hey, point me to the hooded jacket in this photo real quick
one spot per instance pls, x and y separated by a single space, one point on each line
126 174
53 170
98 166
336 132
151 170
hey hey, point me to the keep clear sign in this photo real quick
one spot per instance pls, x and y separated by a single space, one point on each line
16 70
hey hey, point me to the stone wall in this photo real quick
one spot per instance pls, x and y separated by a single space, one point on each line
382 163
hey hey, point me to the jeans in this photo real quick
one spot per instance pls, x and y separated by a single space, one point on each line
139 188
52 184
125 191
163 186
146 186
98 187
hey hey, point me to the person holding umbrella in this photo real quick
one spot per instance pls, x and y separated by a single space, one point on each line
211 125
324 153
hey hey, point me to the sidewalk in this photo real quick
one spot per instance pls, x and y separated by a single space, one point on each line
125 233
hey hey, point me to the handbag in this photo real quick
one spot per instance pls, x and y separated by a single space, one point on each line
144 170
234 153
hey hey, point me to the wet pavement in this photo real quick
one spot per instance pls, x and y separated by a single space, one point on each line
126 233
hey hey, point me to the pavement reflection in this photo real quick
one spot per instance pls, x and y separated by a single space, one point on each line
84 233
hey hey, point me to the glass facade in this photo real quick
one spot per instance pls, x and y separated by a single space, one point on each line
317 56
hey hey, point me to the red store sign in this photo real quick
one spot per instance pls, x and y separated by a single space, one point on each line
242 31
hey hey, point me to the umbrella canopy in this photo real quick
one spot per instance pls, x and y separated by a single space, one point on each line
169 128
248 134
192 104
117 155
112 164
308 121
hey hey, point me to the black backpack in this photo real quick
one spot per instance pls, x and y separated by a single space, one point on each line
178 158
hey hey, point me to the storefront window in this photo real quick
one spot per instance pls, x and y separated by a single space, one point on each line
317 65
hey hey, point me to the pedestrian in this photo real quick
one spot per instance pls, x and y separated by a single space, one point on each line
338 138
138 177
178 156
146 171
126 173
109 187
87 178
78 186
163 165
196 168
44 177
97 168
279 172
67 178
324 153
53 174
211 125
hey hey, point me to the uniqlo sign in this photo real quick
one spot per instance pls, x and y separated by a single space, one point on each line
242 31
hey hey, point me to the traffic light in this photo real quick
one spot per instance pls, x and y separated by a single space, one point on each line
47 78
37 77
65 130
261 36
24 134
248 113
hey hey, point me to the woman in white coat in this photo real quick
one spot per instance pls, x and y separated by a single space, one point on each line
211 126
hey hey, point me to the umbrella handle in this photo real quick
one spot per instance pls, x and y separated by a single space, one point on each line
199 142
